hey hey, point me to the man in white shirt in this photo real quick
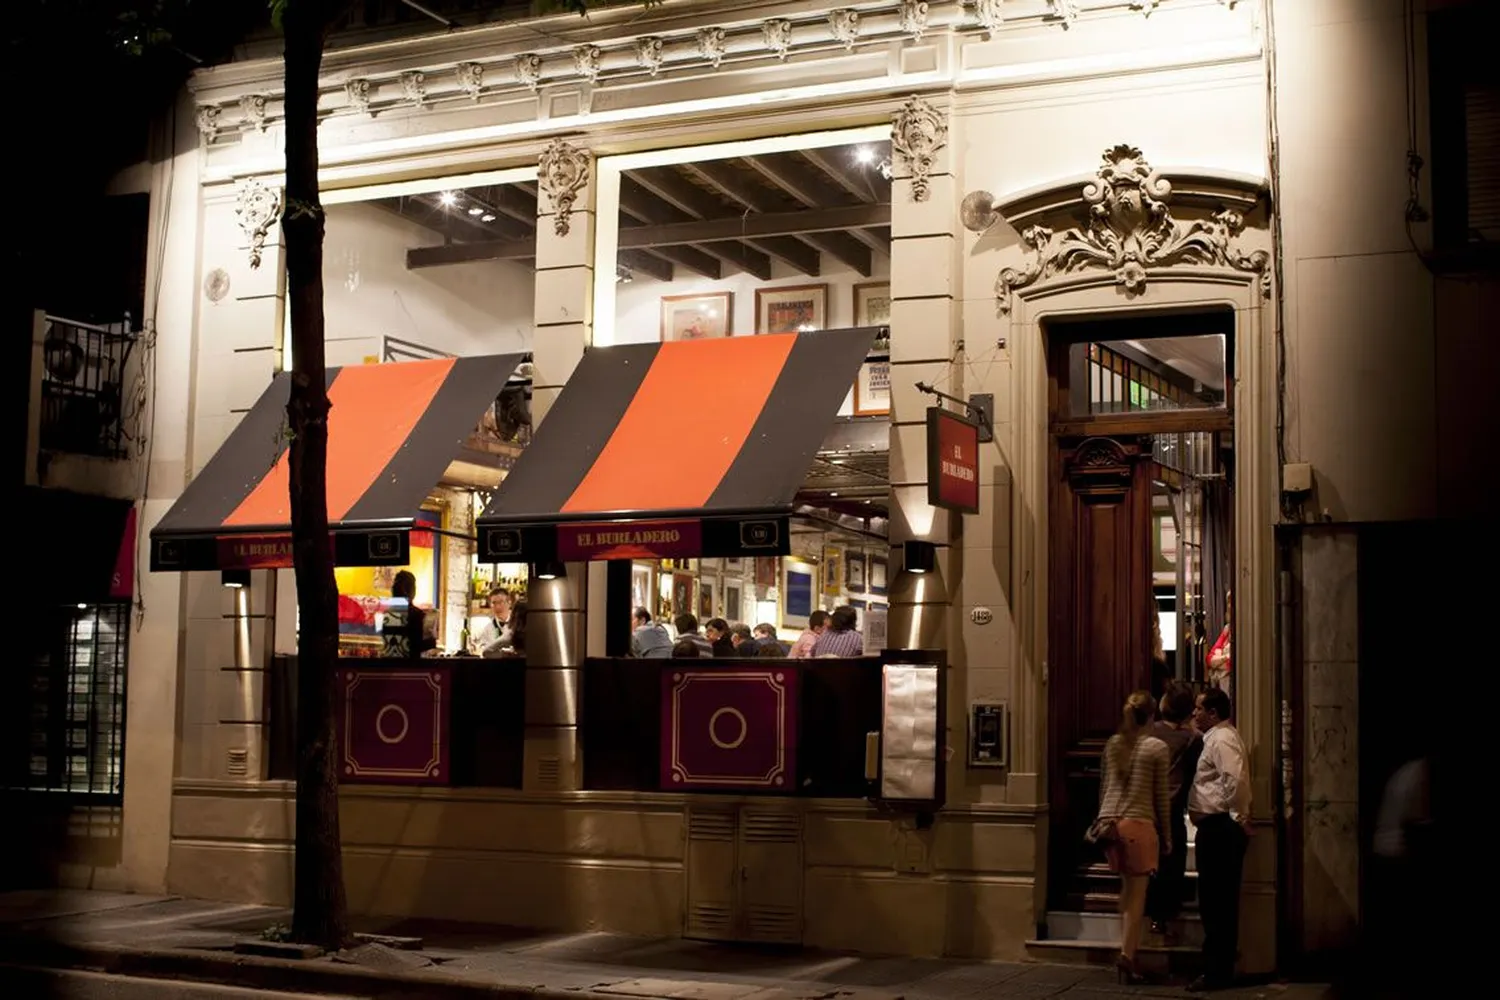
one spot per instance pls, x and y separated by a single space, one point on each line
1219 806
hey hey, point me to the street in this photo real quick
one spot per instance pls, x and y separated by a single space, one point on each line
47 984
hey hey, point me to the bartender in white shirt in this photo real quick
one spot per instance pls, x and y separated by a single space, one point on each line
494 638
1219 806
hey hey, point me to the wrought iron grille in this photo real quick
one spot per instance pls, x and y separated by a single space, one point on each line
68 726
83 387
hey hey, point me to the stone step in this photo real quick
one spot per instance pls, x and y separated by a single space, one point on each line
1154 960
1104 929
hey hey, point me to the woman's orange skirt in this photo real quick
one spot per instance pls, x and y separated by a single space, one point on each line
1135 849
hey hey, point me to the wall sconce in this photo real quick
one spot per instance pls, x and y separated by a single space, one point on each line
551 571
236 578
919 556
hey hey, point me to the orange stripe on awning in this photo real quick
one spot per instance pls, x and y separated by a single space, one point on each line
685 426
375 407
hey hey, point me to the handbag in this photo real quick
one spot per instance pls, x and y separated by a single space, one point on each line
1102 832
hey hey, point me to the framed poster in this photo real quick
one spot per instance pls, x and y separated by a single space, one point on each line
833 571
872 303
705 599
791 310
734 564
797 593
640 586
734 601
854 571
872 390
682 594
765 571
878 574
697 317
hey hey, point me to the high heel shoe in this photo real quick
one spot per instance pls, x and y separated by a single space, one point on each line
1128 973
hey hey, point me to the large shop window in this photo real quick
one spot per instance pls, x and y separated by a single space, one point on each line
64 709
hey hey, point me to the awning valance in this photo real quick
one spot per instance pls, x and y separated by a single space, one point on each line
684 448
392 431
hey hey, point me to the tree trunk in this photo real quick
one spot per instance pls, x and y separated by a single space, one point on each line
320 909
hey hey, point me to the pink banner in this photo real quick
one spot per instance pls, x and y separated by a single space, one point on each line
729 728
395 726
122 584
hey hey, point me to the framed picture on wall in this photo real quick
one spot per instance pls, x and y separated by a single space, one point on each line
796 593
682 593
734 601
854 571
765 571
791 310
872 390
705 599
872 303
734 564
697 317
833 571
878 573
640 586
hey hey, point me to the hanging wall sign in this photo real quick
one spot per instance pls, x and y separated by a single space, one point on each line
952 461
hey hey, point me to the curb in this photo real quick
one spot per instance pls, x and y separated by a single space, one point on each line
288 976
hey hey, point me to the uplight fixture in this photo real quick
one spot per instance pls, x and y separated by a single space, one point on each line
551 571
235 579
919 556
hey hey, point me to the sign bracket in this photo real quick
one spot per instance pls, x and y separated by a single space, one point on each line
979 407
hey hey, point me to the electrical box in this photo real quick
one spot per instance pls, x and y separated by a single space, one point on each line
1296 477
989 734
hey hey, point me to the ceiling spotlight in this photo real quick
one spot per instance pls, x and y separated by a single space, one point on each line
448 198
864 155
476 210
487 217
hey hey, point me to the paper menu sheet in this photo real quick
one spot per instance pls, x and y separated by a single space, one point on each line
909 736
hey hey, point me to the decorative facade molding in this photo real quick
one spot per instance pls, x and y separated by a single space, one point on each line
648 52
1129 230
586 61
1144 6
777 33
359 91
914 18
562 172
1065 11
844 25
471 79
990 13
918 131
529 70
711 45
256 207
208 122
253 107
414 87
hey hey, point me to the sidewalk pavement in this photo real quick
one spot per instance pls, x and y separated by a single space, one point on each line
168 937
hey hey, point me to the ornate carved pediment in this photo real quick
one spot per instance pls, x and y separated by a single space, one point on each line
1126 226
1100 469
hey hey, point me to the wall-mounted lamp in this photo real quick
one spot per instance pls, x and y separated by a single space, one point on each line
551 571
919 556
236 578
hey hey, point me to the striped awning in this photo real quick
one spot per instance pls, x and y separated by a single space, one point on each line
699 447
392 431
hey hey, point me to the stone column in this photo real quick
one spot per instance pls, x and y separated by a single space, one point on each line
230 631
924 344
555 627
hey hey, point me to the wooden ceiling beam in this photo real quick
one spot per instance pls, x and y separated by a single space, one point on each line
693 259
463 253
672 187
649 208
647 263
851 178
756 226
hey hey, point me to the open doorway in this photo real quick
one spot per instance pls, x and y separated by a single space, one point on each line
1140 547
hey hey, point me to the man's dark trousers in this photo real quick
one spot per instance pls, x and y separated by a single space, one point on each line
1220 851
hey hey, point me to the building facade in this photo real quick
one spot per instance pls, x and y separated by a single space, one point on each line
1063 175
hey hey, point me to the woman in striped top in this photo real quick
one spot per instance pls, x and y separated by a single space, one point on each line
1136 797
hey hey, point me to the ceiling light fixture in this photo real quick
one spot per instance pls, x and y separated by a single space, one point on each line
448 198
476 210
487 217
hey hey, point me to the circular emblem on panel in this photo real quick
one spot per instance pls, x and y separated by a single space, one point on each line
216 284
981 616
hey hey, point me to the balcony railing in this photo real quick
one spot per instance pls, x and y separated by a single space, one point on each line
83 387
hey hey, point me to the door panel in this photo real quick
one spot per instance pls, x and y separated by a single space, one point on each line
1099 639
771 875
712 874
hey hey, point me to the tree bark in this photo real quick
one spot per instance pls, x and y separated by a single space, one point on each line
320 908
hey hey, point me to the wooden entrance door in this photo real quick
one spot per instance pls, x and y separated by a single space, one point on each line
1099 643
